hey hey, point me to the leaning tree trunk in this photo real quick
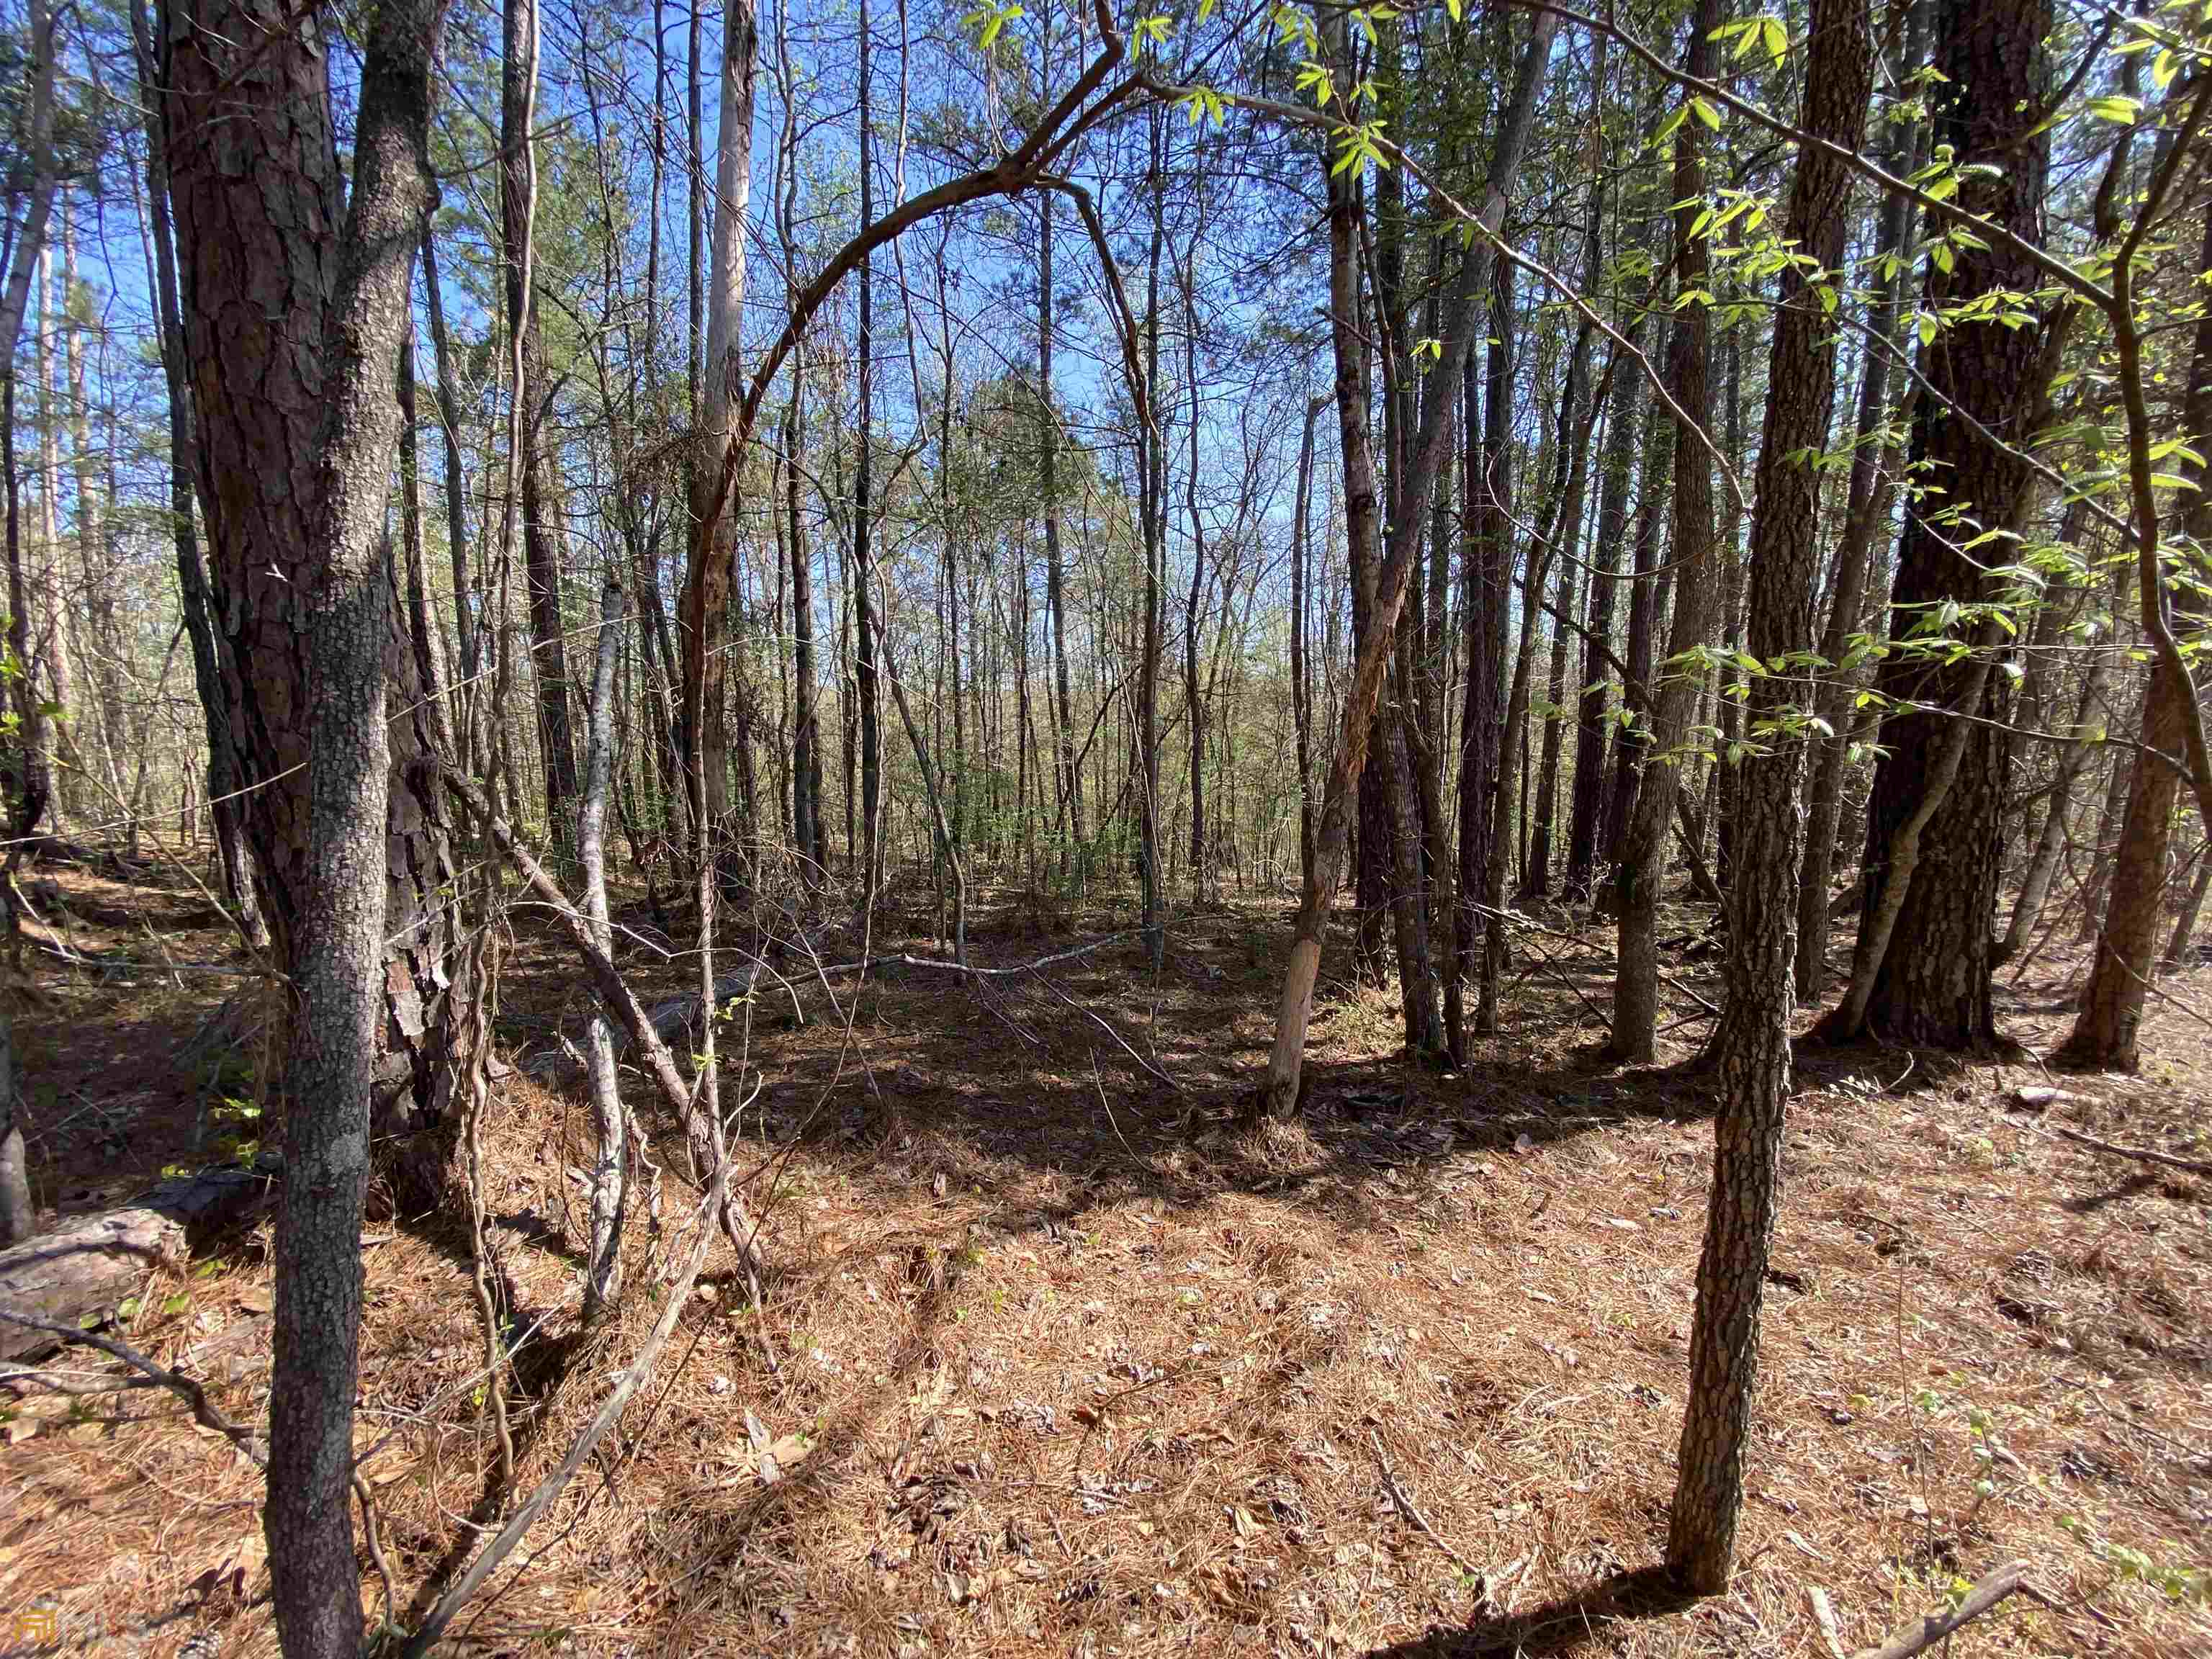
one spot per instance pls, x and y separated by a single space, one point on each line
2111 1015
609 1168
1932 985
2051 841
1278 1092
1644 851
1751 1049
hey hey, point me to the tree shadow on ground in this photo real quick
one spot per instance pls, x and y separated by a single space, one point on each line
1566 1626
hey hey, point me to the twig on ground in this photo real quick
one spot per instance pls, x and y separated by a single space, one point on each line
2141 1154
1406 1507
191 1393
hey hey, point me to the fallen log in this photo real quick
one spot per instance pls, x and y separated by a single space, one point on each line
87 1266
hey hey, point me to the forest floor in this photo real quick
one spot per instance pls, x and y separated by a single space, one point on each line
1054 1358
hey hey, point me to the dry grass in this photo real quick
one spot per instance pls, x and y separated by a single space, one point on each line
1057 1359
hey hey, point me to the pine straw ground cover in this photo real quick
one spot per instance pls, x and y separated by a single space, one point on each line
1055 1359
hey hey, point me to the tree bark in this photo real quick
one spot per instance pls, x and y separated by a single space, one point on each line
1644 853
541 513
2106 1026
1301 684
1588 812
704 621
297 441
1932 987
1278 1092
1874 470
610 1170
1646 601
1751 1048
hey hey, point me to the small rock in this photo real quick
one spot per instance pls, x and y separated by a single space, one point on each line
2036 1096
720 1384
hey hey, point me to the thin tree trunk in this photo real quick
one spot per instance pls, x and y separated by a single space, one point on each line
1588 812
610 1171
705 618
1643 853
1301 683
1751 1049
2106 1027
864 598
1874 470
1279 1093
1646 601
541 527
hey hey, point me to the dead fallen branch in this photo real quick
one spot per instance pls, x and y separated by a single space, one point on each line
609 1412
2141 1154
621 1002
1924 1633
190 1393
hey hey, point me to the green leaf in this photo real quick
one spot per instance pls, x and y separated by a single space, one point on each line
1705 112
1777 37
2120 111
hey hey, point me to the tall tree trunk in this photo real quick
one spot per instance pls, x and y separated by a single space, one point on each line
1278 1092
864 578
1646 602
33 779
1194 693
1727 684
1931 983
224 809
1751 1049
1537 880
49 603
1055 575
1151 509
1301 682
1588 813
711 551
542 529
1874 470
94 605
1643 853
295 455
2106 1029
467 623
